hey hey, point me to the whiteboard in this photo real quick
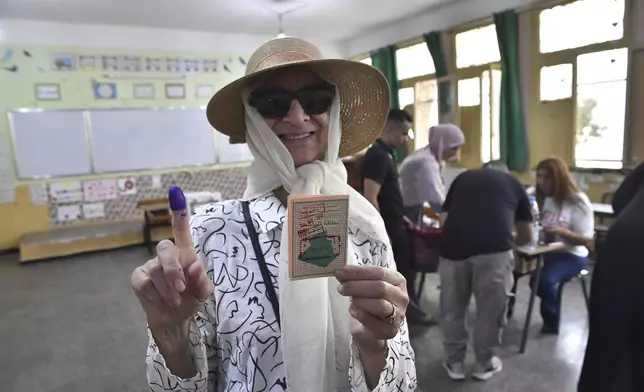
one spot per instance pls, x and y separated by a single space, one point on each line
144 139
231 153
49 143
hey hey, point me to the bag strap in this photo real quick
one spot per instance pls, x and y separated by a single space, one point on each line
259 255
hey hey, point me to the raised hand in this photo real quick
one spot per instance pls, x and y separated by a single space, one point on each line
172 286
378 301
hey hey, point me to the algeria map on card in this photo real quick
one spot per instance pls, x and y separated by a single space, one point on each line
317 233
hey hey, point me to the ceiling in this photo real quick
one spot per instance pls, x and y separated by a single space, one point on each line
325 19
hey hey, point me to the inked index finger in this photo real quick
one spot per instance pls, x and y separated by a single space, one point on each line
180 219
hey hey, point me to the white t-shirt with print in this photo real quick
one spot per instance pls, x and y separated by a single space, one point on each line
575 215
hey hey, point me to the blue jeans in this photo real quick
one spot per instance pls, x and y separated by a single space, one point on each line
557 268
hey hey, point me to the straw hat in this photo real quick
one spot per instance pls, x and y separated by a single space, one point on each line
363 90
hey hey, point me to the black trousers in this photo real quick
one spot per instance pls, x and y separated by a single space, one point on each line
614 360
401 248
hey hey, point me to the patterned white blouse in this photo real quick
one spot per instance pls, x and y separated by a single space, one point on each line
235 337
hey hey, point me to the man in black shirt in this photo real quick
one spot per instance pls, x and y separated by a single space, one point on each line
482 208
381 187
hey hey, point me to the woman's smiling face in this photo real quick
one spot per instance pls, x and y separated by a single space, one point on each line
304 135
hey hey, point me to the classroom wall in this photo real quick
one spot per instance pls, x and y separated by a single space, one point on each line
27 32
31 64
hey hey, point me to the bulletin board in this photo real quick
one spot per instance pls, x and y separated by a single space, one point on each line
150 139
35 131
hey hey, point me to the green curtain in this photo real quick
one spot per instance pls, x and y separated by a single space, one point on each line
385 61
514 149
440 64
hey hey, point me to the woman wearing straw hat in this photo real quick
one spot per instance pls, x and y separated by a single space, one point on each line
221 311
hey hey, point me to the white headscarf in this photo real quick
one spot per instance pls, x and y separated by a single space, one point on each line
314 316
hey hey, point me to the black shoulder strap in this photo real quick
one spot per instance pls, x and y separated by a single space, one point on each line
266 276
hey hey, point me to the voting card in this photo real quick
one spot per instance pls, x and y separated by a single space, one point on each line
317 235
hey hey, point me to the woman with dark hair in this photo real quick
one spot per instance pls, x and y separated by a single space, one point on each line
614 359
566 216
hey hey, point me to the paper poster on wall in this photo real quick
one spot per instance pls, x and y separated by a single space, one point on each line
66 192
97 190
156 182
127 186
63 62
68 213
173 64
144 91
131 63
152 64
94 211
104 90
87 63
210 65
39 194
191 65
110 63
175 90
47 92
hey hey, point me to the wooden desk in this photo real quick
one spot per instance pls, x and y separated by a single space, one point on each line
529 253
156 213
603 210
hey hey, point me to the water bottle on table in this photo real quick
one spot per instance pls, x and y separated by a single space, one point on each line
536 219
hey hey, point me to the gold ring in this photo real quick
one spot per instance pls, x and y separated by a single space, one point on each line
391 318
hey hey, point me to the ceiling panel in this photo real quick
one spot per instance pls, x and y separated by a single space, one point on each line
328 19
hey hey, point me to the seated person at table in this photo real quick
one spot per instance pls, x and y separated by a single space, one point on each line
481 210
566 216
421 172
614 359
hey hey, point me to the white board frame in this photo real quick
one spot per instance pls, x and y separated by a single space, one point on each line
12 134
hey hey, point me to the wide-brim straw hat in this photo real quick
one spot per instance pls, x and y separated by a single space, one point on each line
363 91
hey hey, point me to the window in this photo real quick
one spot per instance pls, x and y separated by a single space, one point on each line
477 47
425 110
413 61
601 108
366 60
405 97
556 82
581 23
469 92
490 115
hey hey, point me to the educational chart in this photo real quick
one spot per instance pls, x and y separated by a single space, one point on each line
39 194
68 213
98 190
127 186
66 192
317 234
94 211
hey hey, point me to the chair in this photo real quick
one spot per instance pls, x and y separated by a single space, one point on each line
582 277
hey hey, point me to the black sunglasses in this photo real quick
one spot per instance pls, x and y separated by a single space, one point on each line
275 102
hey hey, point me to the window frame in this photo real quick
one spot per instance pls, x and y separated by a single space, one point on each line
570 56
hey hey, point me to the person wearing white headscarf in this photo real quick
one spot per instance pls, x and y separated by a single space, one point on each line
222 312
421 172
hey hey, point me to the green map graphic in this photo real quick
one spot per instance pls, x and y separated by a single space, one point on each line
320 251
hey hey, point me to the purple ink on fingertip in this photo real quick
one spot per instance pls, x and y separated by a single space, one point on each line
177 199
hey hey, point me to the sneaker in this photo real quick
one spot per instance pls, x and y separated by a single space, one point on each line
483 373
548 330
455 371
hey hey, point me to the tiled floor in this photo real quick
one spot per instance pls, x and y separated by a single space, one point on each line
74 325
